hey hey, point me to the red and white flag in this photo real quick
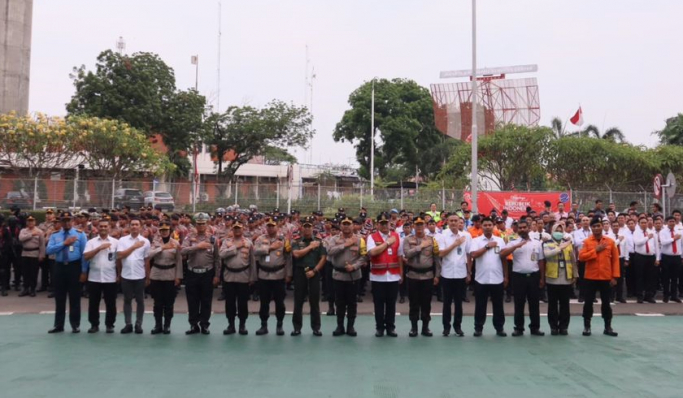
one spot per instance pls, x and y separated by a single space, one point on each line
577 119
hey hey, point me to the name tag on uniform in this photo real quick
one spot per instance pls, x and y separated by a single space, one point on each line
459 251
390 252
533 256
496 249
561 263
267 259
71 248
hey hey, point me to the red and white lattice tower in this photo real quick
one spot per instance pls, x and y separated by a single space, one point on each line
500 100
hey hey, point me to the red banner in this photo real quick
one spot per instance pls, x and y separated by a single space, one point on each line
517 202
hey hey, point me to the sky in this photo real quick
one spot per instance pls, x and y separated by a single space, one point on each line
620 60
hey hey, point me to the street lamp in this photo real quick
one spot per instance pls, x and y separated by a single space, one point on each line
475 172
372 141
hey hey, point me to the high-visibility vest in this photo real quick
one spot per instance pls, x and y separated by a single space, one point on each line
552 264
385 262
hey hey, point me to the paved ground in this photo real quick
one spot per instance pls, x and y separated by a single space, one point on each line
644 361
31 305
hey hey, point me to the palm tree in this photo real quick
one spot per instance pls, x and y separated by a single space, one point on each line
612 134
672 134
558 127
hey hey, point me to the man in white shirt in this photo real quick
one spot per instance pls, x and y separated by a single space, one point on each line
490 279
508 220
131 256
581 234
432 229
619 236
99 269
454 251
645 264
670 241
560 213
386 269
527 268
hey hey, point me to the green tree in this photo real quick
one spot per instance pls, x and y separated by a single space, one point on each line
511 157
672 133
242 133
140 90
612 134
406 135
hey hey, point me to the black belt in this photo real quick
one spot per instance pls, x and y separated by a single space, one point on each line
419 270
237 270
271 270
199 270
69 262
30 250
163 266
342 269
526 274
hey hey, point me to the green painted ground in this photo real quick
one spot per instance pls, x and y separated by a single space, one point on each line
644 361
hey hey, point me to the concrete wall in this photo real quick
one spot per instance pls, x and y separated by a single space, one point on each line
15 54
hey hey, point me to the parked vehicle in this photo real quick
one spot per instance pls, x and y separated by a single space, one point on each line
160 199
128 197
17 198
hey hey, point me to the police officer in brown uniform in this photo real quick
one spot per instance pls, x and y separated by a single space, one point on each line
422 273
48 226
238 273
347 253
164 276
201 249
33 252
309 259
274 262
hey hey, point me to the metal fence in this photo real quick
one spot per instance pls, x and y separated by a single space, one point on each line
39 193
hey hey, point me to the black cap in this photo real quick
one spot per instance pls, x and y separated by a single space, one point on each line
66 215
596 220
383 217
307 221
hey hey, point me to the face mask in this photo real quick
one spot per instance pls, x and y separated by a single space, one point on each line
558 235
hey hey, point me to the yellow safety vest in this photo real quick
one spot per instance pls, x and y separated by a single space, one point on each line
552 264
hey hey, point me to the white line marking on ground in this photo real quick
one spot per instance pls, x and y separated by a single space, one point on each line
46 312
6 313
649 314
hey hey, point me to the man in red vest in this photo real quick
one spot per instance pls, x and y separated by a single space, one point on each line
385 274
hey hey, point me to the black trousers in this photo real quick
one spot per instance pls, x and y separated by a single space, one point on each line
236 301
579 281
592 287
96 291
5 270
329 282
345 299
199 292
403 287
420 296
45 269
558 306
509 291
164 294
482 294
16 267
645 276
66 284
630 276
270 290
671 270
304 286
527 290
453 290
29 269
384 297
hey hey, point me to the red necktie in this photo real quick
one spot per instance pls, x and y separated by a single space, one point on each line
674 246
647 246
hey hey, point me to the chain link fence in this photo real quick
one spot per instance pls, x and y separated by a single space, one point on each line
47 192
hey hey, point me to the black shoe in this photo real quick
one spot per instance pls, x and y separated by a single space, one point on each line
544 299
157 330
537 332
331 312
586 331
75 330
446 332
242 330
279 331
263 330
412 333
651 300
127 329
350 330
580 299
55 330
339 331
517 333
229 330
622 301
392 333
402 300
205 330
138 329
501 333
427 333
93 329
51 295
610 332
317 333
677 300
508 299
359 299
459 332
23 293
554 332
110 329
379 333
4 293
254 297
665 299
477 333
564 332
640 300
295 333
32 292
194 329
